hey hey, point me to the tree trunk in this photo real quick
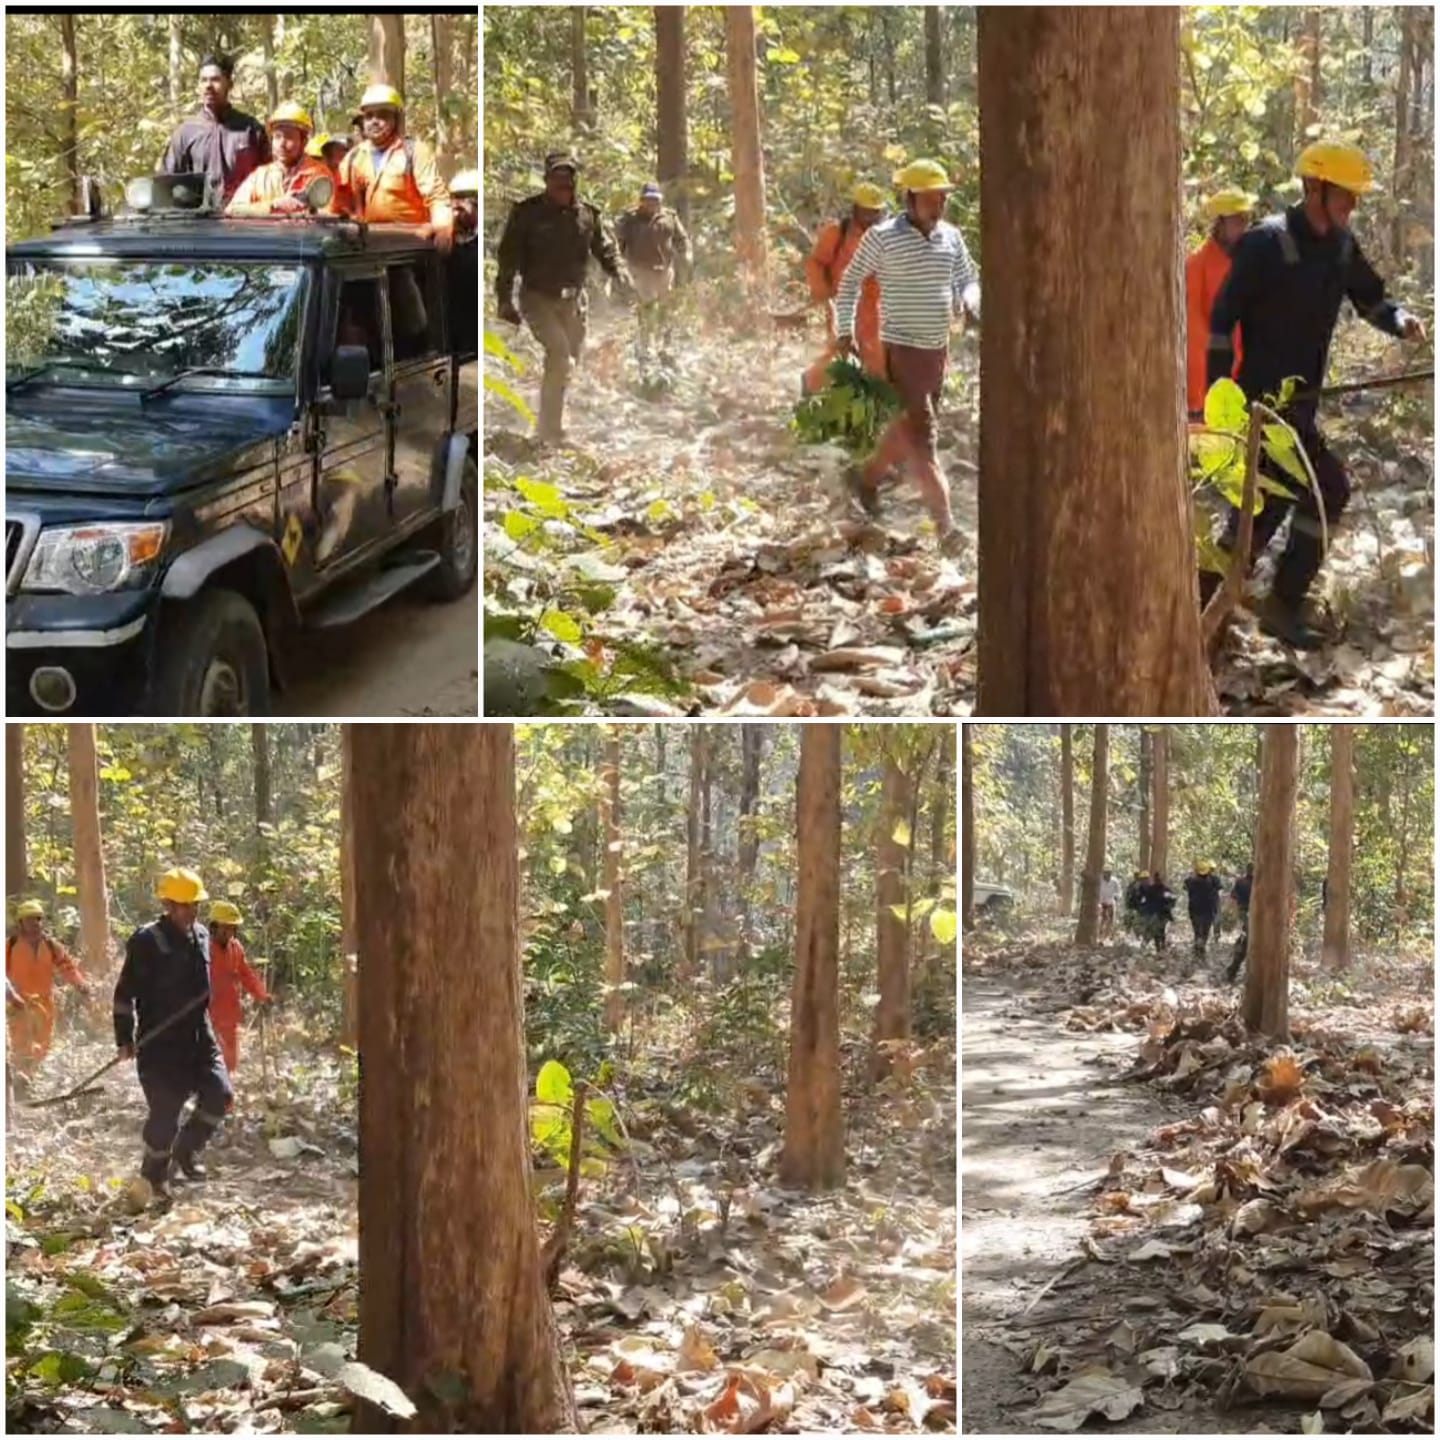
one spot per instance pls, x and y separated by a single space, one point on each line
443 1126
581 114
17 875
349 936
440 31
267 62
260 755
934 56
747 848
89 858
1147 749
387 49
69 107
176 70
892 933
747 160
967 831
707 946
1087 929
1335 949
814 1151
672 144
1400 168
1160 809
614 913
942 812
1367 42
1088 598
1067 823
1402 846
1307 78
694 889
1266 1005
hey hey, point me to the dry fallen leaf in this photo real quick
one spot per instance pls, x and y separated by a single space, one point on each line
1090 1392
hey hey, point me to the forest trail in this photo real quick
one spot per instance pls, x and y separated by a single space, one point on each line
1122 1198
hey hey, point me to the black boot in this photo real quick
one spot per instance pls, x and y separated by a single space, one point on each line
1287 621
156 1170
190 1164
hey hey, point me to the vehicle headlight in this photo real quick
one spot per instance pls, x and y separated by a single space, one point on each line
94 559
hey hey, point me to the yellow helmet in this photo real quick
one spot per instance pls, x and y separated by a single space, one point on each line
382 97
289 113
1229 202
868 196
467 182
1203 867
923 175
182 886
29 910
316 147
222 912
1339 163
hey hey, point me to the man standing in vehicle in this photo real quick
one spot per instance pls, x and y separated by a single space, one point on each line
279 187
221 143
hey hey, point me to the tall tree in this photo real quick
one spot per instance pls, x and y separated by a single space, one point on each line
387 49
70 106
1067 822
176 68
1307 77
1406 19
1266 1004
1147 749
967 830
893 840
17 874
260 759
1335 949
747 848
1160 807
672 142
1403 838
934 56
440 44
1088 600
747 160
89 859
814 1150
582 115
694 875
443 1125
349 938
267 61
1087 928
610 838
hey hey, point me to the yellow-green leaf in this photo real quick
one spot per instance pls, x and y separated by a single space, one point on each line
942 926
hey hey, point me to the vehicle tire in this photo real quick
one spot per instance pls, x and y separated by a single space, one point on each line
213 659
458 541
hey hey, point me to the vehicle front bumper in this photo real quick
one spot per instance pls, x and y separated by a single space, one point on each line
103 642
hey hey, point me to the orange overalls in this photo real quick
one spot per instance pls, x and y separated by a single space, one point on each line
261 188
229 970
31 967
834 247
1205 272
402 186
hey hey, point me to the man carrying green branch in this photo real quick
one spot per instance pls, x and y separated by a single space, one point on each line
925 274
1289 275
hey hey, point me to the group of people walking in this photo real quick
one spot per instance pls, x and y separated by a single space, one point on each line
1150 905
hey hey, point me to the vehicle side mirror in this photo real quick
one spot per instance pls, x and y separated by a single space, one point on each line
318 193
350 372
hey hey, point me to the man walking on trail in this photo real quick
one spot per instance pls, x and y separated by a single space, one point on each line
32 957
1206 270
1109 899
1288 278
1202 896
220 142
230 971
162 1021
547 243
1156 906
1137 883
656 251
1240 893
926 275
825 266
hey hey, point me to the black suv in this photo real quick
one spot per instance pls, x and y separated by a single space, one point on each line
219 433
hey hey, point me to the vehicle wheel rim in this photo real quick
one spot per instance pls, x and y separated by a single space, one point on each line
462 540
222 692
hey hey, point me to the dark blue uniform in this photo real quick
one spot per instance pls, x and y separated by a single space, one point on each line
1202 895
167 972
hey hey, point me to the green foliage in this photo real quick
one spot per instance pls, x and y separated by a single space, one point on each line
852 409
552 1115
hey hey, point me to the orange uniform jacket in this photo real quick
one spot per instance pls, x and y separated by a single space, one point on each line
261 188
823 268
229 971
1205 272
403 185
31 968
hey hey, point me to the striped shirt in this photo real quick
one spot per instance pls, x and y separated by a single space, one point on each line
923 278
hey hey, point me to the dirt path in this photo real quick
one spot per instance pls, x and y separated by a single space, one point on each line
410 657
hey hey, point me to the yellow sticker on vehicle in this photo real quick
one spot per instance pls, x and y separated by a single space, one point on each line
294 535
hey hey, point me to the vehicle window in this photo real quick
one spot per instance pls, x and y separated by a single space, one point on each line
414 315
140 322
360 320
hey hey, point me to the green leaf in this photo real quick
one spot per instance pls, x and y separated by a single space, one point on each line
657 511
562 625
56 1367
901 834
782 55
942 926
1225 406
494 345
507 392
544 496
517 524
553 1084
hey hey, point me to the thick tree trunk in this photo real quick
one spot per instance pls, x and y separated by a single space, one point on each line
694 882
387 49
69 106
1088 595
440 33
814 1152
89 858
1147 749
1160 808
747 160
349 936
672 143
614 912
17 875
176 69
1400 167
967 831
1266 1005
892 933
444 1134
1335 950
260 757
942 815
1087 929
1067 822
581 113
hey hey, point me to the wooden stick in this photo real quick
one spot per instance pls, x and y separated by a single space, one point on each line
1223 601
553 1255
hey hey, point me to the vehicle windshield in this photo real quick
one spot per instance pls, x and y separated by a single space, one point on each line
138 323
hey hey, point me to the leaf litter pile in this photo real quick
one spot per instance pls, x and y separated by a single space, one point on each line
1268 1254
738 561
696 1295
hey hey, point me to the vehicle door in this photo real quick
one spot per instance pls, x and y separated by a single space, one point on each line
422 382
